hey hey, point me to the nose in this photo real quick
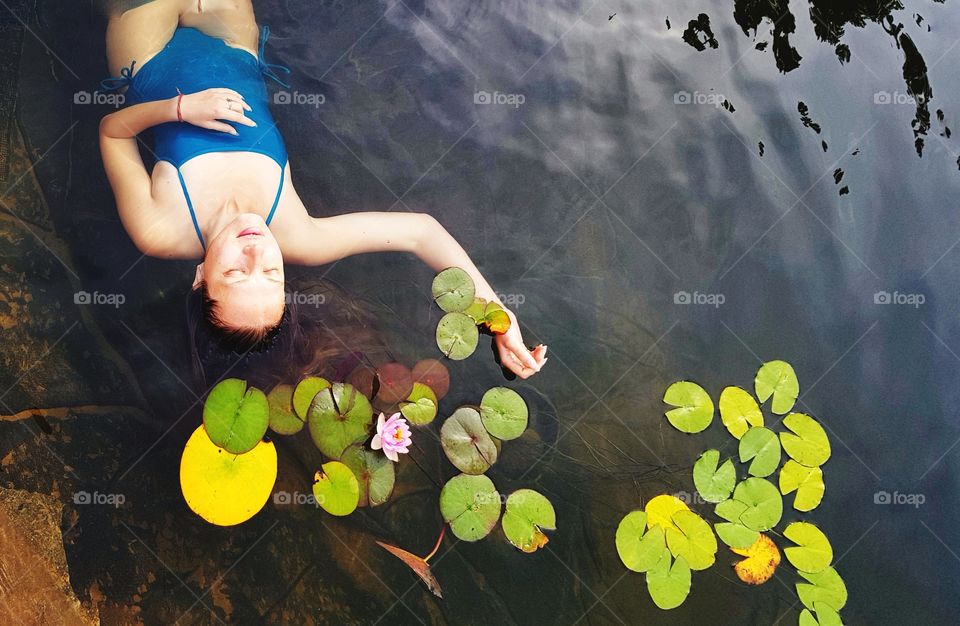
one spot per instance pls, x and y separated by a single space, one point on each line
254 251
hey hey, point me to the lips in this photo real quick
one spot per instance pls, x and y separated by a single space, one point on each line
247 232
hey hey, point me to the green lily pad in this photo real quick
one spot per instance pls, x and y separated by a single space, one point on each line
695 408
335 489
777 379
739 411
826 616
235 416
714 484
338 417
283 420
731 509
826 587
806 481
477 310
807 619
457 336
467 443
453 289
471 505
808 443
374 471
813 552
761 445
527 513
669 585
420 407
504 413
736 535
639 549
764 504
694 542
304 393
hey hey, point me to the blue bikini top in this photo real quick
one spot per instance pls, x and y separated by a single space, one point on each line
193 61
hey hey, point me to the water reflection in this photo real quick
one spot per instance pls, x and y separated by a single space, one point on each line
599 199
829 19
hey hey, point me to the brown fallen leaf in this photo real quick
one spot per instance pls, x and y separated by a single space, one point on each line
419 565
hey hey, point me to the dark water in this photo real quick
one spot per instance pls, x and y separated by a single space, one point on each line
618 164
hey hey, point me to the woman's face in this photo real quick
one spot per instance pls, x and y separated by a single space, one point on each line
243 272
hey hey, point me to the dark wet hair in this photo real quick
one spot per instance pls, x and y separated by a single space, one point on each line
327 341
238 340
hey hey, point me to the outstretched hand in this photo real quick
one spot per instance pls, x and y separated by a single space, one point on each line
213 108
514 354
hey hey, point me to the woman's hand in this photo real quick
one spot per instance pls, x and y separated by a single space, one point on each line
207 108
514 354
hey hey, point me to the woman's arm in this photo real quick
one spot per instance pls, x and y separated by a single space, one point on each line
131 183
324 240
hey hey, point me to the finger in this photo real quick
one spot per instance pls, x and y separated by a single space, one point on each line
231 93
234 96
524 355
225 128
236 116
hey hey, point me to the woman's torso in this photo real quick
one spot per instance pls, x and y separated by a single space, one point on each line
216 168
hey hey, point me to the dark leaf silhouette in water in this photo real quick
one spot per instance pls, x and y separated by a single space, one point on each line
419 565
699 34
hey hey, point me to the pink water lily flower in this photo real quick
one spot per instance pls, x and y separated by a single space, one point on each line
393 436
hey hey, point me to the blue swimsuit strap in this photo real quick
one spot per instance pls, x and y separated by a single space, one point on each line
270 69
113 83
193 213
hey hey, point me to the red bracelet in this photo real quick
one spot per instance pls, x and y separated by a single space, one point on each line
179 98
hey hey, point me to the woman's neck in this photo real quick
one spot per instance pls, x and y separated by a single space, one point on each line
217 218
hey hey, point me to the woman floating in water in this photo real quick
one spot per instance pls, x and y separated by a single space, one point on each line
221 189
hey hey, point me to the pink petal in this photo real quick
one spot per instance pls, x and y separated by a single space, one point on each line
391 454
376 443
380 423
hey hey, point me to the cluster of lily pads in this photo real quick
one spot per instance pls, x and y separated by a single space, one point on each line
228 468
667 540
458 331
471 437
469 502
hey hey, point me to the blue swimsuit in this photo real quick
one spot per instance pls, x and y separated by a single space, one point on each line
193 61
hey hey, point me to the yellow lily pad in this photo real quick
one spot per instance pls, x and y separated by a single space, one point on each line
762 560
223 488
806 481
660 511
